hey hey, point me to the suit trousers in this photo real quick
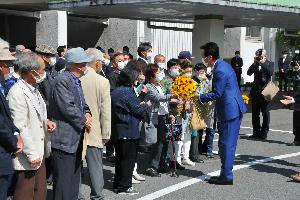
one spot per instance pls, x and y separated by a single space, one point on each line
31 184
228 136
66 174
296 125
94 162
283 78
259 104
126 155
5 182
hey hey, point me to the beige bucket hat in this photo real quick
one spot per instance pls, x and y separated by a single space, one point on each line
5 54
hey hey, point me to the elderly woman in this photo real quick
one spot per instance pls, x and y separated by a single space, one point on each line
29 114
127 112
159 113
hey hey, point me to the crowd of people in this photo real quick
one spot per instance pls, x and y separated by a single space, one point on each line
61 106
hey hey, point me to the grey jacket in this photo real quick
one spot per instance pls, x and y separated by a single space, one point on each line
155 97
66 110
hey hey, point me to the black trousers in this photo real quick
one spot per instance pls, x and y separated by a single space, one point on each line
126 155
238 78
296 125
283 78
5 182
66 174
260 105
159 150
110 148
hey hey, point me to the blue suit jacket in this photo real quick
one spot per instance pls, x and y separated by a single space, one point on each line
226 92
8 141
65 109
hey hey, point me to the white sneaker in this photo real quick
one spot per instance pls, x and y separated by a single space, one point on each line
188 162
134 181
138 177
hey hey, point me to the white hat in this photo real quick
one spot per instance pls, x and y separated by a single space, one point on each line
5 54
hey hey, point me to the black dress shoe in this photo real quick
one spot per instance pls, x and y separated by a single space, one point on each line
197 160
178 166
258 137
152 172
164 170
253 136
295 143
218 181
214 177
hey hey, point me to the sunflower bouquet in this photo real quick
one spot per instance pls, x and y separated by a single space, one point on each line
246 99
184 87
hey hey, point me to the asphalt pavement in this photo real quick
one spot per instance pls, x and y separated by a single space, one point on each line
262 170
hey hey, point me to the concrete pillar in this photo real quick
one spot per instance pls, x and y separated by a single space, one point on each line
51 29
207 30
118 33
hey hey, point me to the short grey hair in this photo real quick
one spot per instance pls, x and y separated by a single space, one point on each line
20 48
94 54
28 62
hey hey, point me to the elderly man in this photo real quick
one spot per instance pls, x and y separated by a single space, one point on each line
117 66
96 91
160 60
14 74
73 117
10 140
25 100
47 53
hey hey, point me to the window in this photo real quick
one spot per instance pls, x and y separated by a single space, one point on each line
253 32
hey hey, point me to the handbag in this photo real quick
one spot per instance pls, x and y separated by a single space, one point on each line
270 91
173 131
148 133
197 121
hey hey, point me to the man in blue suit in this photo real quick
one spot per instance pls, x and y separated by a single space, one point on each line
10 140
229 109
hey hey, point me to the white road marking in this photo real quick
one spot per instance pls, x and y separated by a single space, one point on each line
274 130
181 185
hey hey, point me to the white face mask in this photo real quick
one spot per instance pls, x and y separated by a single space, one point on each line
149 55
9 75
52 61
159 78
41 78
188 75
204 63
161 65
126 62
106 62
121 65
85 71
174 73
208 70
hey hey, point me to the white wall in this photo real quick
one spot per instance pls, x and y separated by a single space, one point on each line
248 48
232 41
169 42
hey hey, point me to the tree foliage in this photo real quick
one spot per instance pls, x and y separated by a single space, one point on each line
287 42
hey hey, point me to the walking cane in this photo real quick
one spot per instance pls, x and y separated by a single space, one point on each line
174 172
